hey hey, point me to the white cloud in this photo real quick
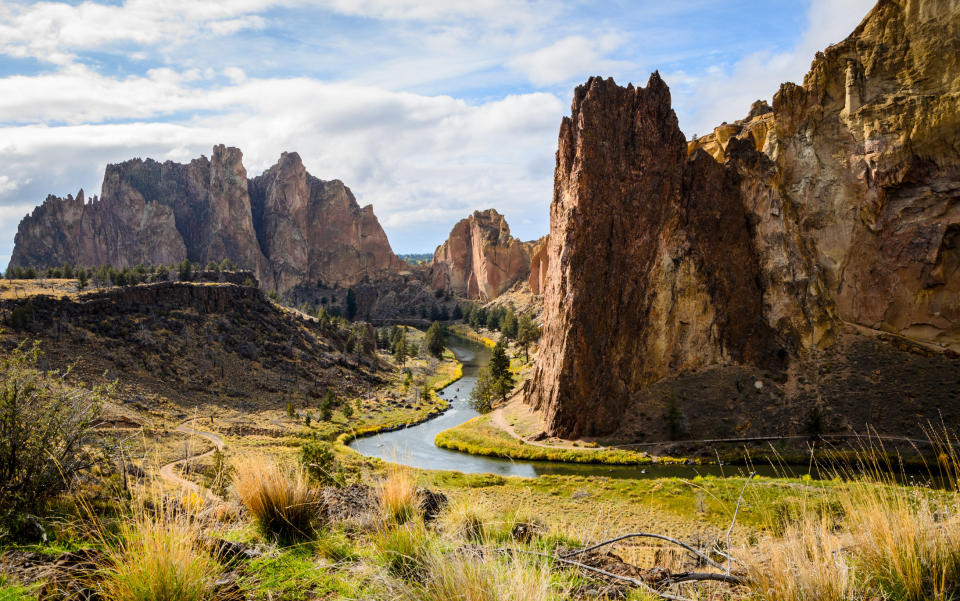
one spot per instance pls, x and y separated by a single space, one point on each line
498 11
566 59
416 158
7 184
52 31
235 74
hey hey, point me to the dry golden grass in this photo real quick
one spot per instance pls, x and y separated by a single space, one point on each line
889 541
11 289
397 496
466 577
466 520
279 497
157 556
807 564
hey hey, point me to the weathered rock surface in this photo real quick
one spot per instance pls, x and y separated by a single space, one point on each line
287 226
834 215
480 259
539 265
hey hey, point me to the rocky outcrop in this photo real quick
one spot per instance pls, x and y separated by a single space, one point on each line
480 259
287 226
539 265
831 215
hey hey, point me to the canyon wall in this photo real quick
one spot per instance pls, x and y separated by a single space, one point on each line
480 259
285 225
748 259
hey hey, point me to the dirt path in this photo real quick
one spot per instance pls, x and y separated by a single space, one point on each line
168 472
500 421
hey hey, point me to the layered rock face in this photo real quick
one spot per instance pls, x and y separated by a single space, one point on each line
480 259
539 265
834 213
287 226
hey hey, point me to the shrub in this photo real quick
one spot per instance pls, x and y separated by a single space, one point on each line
397 496
46 433
220 474
21 316
320 462
158 557
280 499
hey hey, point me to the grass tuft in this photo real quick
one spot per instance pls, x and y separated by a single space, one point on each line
466 520
157 557
467 577
397 496
281 500
404 550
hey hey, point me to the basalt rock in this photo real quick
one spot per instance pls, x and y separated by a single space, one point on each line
821 231
286 226
480 259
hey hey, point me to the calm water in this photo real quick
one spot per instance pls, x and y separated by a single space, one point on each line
414 446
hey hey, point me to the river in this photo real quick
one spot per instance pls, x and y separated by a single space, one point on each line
414 446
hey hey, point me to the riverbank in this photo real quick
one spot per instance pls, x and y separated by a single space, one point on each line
481 436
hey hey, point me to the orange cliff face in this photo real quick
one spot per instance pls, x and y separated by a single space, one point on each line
480 259
285 225
685 273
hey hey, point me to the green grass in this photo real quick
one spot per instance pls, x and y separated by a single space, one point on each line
480 437
295 574
15 592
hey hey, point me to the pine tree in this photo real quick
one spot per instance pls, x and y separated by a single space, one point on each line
400 348
527 334
351 304
508 324
500 370
435 342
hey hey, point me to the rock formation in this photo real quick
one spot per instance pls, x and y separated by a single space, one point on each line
539 265
287 226
833 214
480 259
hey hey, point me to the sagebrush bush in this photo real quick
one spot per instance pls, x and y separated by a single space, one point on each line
318 458
46 431
279 497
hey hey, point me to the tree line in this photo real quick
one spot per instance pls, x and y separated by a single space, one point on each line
107 275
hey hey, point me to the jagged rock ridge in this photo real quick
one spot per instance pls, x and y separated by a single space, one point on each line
480 259
835 212
285 225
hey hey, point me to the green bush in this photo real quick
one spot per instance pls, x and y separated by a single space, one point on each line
46 431
321 463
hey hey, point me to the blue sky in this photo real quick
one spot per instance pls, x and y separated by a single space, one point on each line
427 110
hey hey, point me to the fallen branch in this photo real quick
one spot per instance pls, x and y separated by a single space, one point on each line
633 581
698 576
706 559
735 512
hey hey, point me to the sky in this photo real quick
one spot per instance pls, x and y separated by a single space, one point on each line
428 110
